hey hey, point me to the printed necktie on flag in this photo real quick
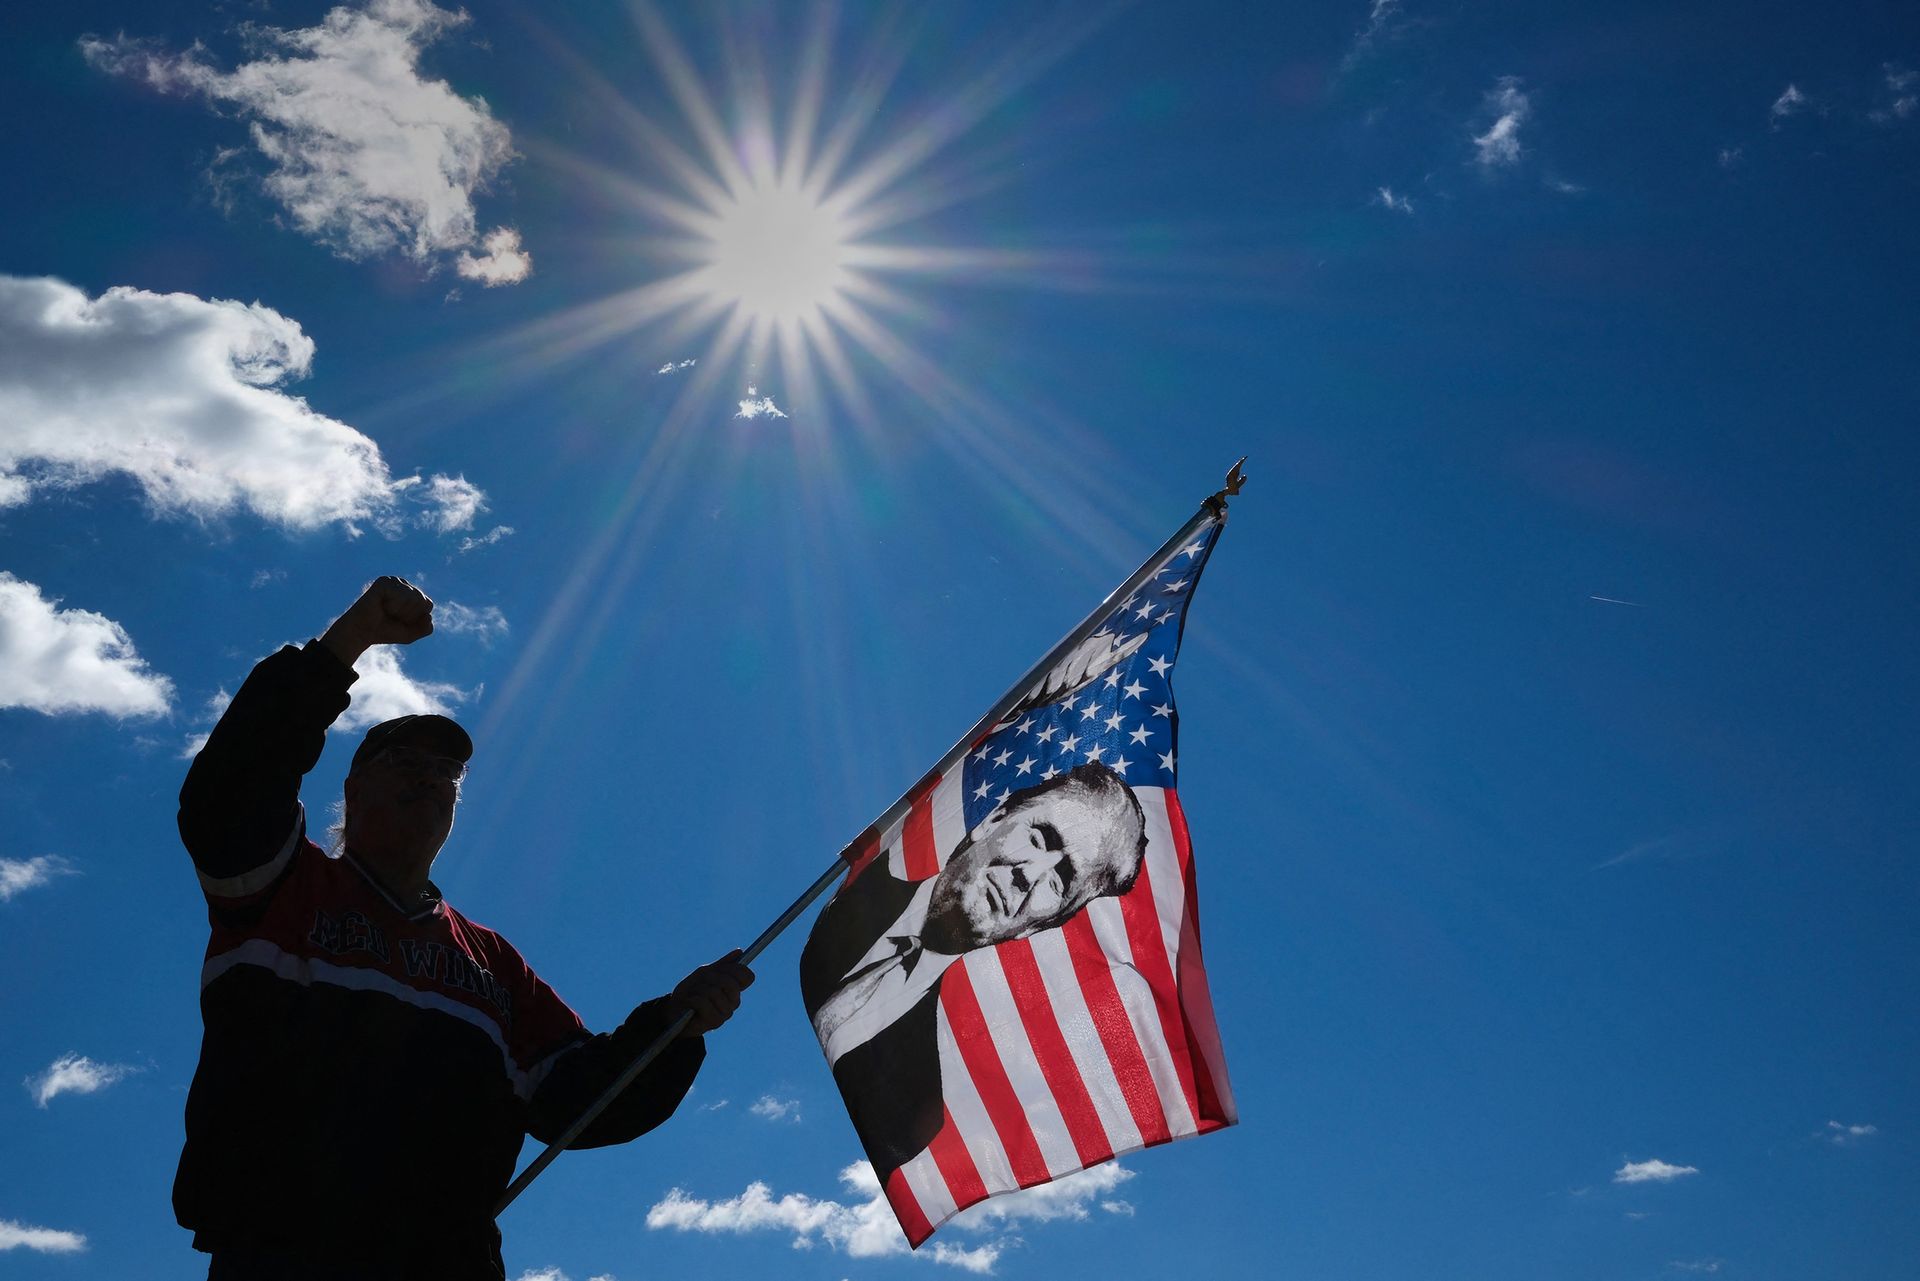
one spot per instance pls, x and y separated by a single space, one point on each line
1008 984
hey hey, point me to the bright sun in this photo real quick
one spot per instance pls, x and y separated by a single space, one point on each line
777 253
784 240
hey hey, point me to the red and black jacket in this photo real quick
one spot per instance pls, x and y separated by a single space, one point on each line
369 1070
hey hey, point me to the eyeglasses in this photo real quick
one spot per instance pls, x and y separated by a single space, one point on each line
411 760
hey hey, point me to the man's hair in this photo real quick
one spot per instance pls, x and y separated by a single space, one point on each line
1102 784
336 843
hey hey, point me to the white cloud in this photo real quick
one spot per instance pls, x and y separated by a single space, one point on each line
1731 156
1383 24
542 1274
754 408
1067 1198
1901 101
1564 187
866 1228
56 660
364 154
455 619
1499 147
75 1074
216 705
19 1236
1386 199
487 539
1791 102
1654 1171
385 691
978 1260
751 1211
1696 1265
17 875
184 396
504 263
670 366
862 1230
1846 1135
452 502
769 1108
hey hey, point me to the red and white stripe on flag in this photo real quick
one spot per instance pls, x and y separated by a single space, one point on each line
1070 1047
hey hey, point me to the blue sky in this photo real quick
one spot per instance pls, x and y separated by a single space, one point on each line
1547 709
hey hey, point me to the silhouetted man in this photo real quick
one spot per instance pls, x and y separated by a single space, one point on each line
372 1058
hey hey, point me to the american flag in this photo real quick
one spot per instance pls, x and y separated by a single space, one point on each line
1090 1038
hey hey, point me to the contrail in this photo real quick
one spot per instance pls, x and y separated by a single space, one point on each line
1612 601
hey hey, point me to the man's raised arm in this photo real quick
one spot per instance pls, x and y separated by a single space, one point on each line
240 815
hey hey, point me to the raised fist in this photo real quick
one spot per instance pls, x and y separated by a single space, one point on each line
392 611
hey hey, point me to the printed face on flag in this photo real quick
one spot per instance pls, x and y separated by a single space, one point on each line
1040 856
1008 985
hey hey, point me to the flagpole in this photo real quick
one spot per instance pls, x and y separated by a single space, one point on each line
1214 508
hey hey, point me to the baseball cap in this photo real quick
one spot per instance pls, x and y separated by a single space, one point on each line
440 735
